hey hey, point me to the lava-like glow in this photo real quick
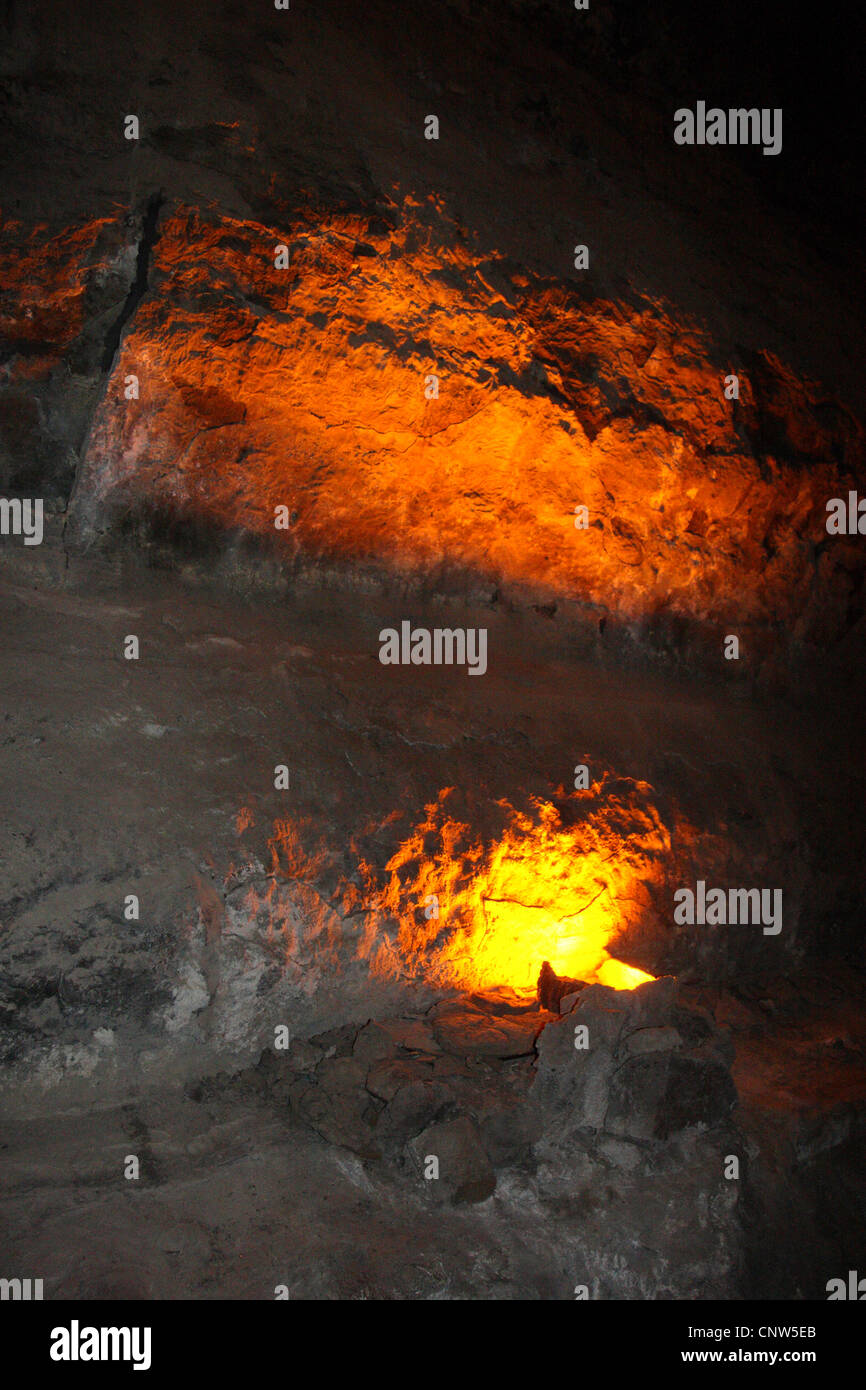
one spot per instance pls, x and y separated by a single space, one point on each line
479 916
617 975
516 940
379 402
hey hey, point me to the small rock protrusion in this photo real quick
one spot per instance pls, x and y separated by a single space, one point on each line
464 1170
552 988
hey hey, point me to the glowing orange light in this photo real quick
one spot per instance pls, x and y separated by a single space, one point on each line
618 975
542 892
379 472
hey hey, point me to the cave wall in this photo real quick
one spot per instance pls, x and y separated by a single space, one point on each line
304 387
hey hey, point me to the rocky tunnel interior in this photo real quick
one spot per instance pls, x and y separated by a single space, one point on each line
432 586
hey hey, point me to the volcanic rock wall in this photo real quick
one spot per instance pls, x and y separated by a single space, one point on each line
294 405
257 327
197 394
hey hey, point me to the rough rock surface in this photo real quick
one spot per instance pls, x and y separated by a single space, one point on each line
285 1174
165 386
247 924
251 898
616 1064
305 387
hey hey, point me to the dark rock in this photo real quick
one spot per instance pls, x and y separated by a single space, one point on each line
655 1096
303 1056
465 1173
635 1078
509 1135
651 1005
413 1034
571 1085
413 1107
700 1090
636 1097
569 1002
373 1043
694 1024
337 1042
465 1031
444 1066
620 1153
653 1040
552 988
386 1077
339 1074
347 1118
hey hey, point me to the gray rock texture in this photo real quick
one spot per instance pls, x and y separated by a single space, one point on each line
217 350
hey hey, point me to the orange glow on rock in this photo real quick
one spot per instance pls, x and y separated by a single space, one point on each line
477 915
304 389
617 975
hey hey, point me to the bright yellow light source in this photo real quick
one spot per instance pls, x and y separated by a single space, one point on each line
543 891
617 975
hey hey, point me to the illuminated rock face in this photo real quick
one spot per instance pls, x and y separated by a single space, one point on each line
391 400
559 885
435 400
308 388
